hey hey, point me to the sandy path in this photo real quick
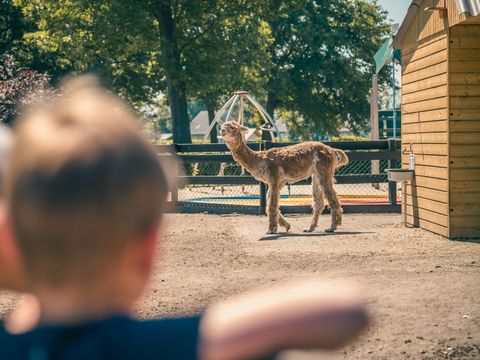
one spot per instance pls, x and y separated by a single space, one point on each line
423 290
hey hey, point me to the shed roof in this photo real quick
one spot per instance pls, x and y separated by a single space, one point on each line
470 7
467 7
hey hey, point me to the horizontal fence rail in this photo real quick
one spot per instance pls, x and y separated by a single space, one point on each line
357 151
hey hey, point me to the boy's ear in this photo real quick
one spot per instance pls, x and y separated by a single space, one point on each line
243 129
12 275
148 245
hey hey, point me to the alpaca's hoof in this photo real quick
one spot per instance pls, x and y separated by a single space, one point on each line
329 230
308 230
287 227
271 232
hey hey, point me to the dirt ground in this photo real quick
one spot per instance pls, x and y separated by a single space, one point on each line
422 289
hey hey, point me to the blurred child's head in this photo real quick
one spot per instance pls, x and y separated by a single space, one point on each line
85 193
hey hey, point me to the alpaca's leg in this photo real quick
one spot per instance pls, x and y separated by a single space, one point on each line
335 207
283 222
318 203
281 219
272 208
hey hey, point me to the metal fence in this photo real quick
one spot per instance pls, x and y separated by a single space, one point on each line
212 181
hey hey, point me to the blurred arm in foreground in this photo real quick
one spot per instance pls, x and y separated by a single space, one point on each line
301 315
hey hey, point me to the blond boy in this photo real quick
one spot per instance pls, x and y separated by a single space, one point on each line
85 197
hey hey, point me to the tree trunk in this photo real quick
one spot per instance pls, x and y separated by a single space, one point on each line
176 86
271 106
211 117
272 103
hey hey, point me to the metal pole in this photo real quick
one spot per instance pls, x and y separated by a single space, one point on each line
240 111
217 117
392 185
393 101
231 108
265 115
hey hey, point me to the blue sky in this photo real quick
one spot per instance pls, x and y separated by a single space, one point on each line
396 8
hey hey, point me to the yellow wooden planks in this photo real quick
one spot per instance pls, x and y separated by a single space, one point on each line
425 138
457 102
464 114
466 221
425 63
464 43
424 84
465 90
464 67
425 51
426 105
430 149
462 150
465 78
426 193
465 174
420 44
429 171
466 210
427 225
427 160
427 204
464 162
464 232
425 73
431 93
425 127
469 138
430 183
462 198
465 186
464 31
424 116
433 217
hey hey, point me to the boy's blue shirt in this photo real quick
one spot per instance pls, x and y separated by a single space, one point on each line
117 337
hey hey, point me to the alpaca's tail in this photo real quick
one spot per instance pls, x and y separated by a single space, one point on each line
342 158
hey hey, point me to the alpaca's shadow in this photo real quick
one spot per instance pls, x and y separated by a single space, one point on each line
313 234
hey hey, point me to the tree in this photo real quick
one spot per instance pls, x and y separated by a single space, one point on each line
139 47
230 57
20 87
322 55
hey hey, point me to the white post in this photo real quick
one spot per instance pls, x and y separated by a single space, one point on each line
374 120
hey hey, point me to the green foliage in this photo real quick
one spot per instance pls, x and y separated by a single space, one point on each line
323 54
231 57
115 39
311 58
349 138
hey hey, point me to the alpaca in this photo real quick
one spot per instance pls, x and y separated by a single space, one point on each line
279 166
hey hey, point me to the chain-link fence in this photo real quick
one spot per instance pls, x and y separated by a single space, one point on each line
213 181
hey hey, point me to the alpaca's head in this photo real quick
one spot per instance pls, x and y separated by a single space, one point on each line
232 132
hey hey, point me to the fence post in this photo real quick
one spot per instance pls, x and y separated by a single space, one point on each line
392 185
176 170
264 145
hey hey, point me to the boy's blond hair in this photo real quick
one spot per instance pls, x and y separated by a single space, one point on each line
82 182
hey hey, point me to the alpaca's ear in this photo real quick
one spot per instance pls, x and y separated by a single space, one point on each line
243 129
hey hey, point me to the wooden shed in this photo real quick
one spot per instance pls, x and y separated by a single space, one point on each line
440 45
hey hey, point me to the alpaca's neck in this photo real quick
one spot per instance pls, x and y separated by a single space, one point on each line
244 156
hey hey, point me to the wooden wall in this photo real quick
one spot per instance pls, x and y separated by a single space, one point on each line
464 128
425 118
441 118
